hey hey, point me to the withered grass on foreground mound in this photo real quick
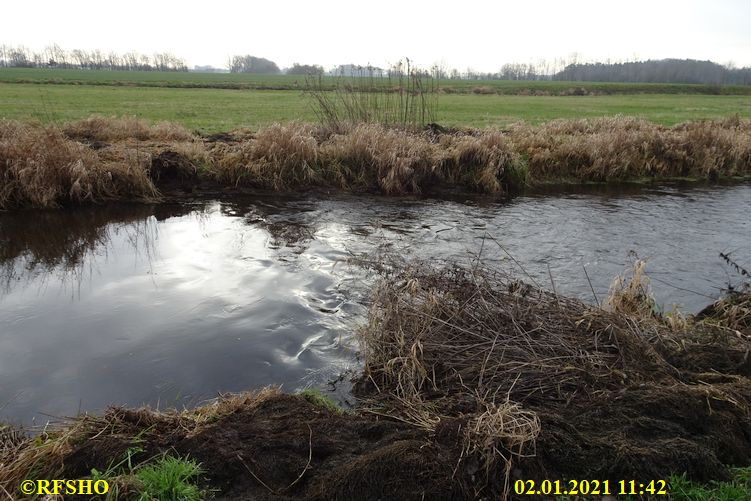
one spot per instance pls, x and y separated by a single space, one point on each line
574 391
261 445
100 159
472 380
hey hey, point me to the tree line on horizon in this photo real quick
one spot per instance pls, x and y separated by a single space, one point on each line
683 71
53 56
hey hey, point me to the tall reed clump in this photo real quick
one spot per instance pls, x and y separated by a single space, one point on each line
404 96
41 167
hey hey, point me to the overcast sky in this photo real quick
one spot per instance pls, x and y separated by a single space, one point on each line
478 34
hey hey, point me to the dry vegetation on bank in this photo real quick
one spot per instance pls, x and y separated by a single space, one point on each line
472 380
101 159
549 387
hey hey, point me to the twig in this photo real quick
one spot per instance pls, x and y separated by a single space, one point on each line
552 283
310 458
272 491
597 301
10 498
682 288
514 260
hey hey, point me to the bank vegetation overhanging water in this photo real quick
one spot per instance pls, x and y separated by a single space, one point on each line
472 380
100 159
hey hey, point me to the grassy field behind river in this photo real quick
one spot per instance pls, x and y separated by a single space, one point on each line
210 110
295 82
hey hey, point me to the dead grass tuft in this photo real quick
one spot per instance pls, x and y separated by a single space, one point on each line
624 148
732 311
113 129
40 167
484 162
474 350
632 295
280 157
391 160
489 347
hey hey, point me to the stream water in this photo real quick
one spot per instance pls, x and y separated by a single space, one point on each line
169 305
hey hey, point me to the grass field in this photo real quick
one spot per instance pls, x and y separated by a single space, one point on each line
297 82
214 110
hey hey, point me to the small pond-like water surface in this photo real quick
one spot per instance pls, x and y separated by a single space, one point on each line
169 305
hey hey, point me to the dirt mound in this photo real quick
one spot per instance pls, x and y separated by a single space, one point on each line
647 432
284 447
171 170
617 396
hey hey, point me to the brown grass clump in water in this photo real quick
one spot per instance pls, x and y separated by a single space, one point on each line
40 167
632 295
111 129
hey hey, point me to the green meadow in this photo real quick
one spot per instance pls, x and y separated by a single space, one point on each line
215 109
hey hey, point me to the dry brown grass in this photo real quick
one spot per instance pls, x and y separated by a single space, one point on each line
484 162
113 129
432 330
391 160
40 167
625 148
630 294
488 347
366 157
278 157
476 351
733 312
47 167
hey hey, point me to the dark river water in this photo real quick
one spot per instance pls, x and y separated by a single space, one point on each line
169 305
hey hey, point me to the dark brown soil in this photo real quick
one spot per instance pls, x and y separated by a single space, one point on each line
172 171
298 450
646 433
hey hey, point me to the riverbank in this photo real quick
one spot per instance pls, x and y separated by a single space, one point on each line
101 159
472 381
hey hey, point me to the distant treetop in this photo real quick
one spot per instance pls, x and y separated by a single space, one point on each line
252 64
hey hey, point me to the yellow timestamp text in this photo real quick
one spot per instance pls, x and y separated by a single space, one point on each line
58 487
590 487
